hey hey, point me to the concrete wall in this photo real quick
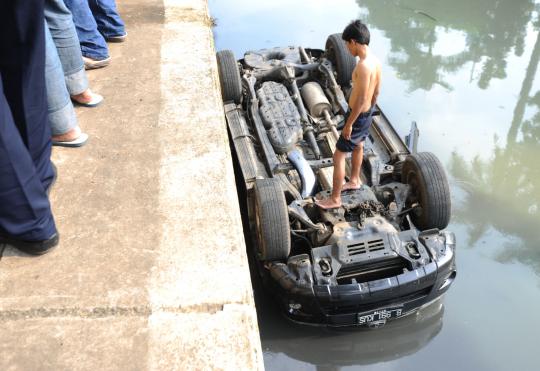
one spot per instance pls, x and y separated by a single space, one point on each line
198 197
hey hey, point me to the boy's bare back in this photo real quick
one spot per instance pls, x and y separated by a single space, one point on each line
366 79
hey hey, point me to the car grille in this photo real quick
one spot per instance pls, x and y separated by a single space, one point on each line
364 247
365 272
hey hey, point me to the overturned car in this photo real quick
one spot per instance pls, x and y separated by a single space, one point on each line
384 253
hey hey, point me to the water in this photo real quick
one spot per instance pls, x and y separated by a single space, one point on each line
467 72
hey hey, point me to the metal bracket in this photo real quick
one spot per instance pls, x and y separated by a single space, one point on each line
412 139
296 210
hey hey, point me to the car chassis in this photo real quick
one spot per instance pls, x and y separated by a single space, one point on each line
383 254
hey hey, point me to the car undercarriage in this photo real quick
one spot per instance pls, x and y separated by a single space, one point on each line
384 253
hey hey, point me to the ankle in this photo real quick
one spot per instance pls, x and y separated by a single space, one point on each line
70 135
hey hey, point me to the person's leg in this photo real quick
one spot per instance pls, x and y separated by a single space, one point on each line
61 115
339 175
357 156
25 213
62 29
359 133
25 139
93 45
107 18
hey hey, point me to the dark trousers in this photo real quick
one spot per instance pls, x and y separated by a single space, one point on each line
25 136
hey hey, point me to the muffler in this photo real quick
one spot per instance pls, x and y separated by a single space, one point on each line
318 104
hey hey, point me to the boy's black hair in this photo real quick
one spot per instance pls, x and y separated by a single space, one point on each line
357 31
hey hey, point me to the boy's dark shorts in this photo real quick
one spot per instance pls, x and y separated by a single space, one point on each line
360 131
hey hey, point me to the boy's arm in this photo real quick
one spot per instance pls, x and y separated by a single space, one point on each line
359 95
376 91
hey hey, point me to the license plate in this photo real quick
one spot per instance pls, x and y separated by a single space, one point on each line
380 315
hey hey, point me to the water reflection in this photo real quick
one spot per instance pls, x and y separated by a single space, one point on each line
333 349
504 191
491 31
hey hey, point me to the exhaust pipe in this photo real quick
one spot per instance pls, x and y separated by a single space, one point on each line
307 176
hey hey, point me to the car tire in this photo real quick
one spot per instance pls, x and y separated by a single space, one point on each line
424 173
229 76
271 221
343 61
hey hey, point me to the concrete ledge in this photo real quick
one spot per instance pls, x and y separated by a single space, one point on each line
151 271
198 190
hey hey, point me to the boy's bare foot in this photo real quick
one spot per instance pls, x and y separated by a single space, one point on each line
350 186
328 204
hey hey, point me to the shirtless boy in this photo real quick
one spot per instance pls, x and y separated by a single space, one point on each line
366 80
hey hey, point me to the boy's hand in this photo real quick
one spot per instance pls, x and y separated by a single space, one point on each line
346 132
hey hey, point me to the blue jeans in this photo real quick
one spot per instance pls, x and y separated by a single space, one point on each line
107 18
95 20
60 23
61 114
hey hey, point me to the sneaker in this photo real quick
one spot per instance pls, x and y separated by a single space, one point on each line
117 39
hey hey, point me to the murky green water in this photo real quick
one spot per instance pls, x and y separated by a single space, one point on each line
467 72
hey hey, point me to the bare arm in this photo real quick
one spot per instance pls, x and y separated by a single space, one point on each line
376 91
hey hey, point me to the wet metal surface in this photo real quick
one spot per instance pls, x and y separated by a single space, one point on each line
467 73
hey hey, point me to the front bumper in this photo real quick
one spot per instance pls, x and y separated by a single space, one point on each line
348 304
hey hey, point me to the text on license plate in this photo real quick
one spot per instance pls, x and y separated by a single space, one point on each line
380 315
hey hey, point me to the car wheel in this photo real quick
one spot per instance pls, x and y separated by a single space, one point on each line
424 173
272 221
343 61
229 76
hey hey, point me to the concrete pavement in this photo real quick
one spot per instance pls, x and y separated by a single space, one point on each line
151 271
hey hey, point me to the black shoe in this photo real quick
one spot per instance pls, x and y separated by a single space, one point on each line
32 247
117 38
